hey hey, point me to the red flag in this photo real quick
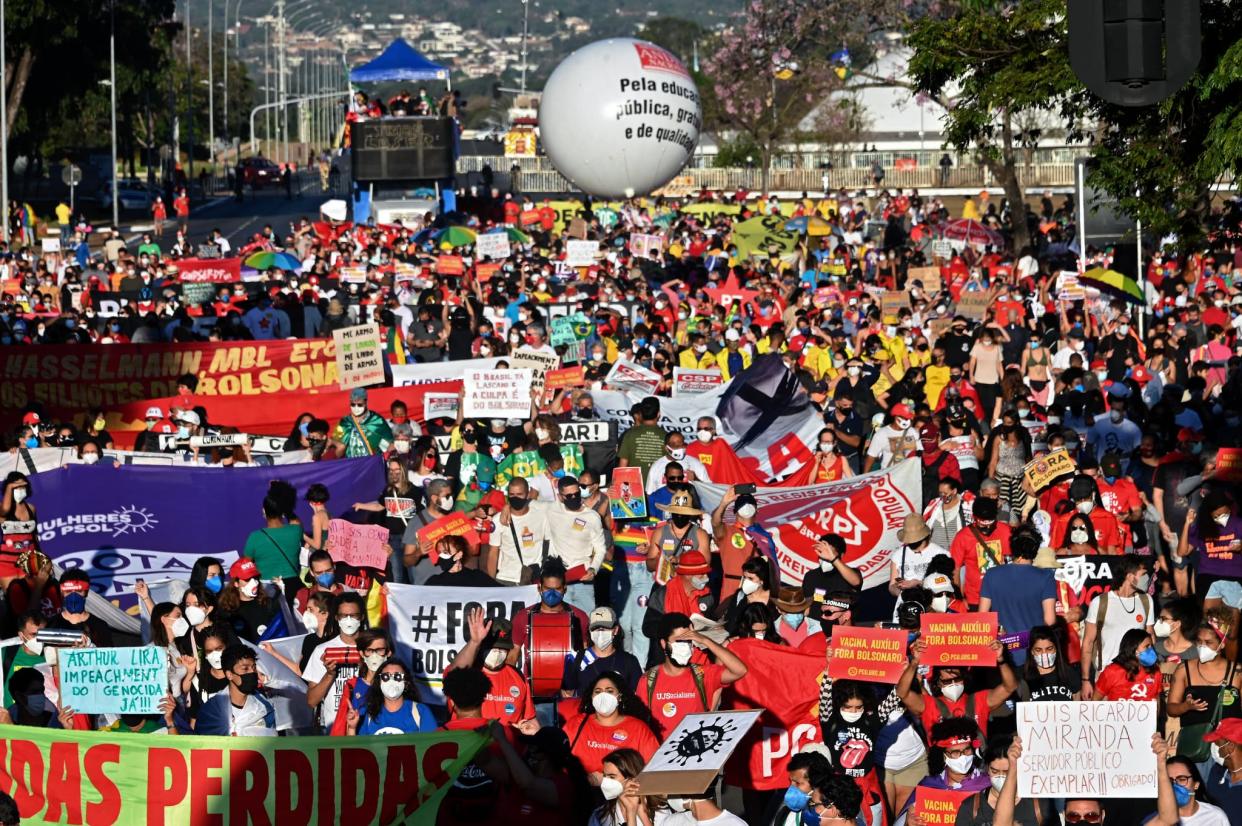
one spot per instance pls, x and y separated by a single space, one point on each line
790 718
722 463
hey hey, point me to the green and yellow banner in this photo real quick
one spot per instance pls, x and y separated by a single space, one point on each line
101 778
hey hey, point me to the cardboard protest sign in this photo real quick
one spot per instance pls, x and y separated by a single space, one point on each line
450 265
565 377
625 495
492 245
974 305
359 356
876 655
429 623
453 524
959 639
690 382
577 229
50 245
439 406
695 752
497 394
1045 470
938 807
359 545
928 276
563 331
628 375
892 301
942 248
114 680
643 245
580 253
539 363
1087 749
352 275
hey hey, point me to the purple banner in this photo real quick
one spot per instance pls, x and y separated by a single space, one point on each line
132 522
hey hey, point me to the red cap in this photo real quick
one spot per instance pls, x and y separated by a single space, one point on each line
494 498
164 427
1228 729
244 568
1099 364
901 411
30 418
1141 374
692 563
1187 434
73 586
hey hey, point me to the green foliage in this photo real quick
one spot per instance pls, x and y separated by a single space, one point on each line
742 151
678 36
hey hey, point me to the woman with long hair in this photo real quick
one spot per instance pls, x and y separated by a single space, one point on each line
755 588
851 721
1206 689
1133 674
624 802
374 649
19 526
168 632
608 714
390 706
757 620
1048 674
244 603
1008 451
1080 537
1213 542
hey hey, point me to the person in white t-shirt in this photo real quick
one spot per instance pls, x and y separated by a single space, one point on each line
325 680
909 564
675 451
894 441
1190 811
1125 607
576 535
518 537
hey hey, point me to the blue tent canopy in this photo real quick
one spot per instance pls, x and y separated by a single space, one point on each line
400 61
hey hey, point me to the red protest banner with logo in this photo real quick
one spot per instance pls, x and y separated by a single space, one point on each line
209 270
1229 464
788 721
453 524
68 379
876 655
938 807
564 377
450 265
959 639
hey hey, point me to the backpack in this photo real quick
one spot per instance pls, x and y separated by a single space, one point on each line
696 671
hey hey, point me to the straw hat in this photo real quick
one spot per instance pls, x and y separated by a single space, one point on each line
1046 558
913 530
682 503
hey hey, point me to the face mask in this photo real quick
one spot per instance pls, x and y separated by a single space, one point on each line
953 691
1147 657
679 653
749 586
310 622
180 627
853 370
250 588
1182 794
1217 757
794 621
552 598
1123 330
249 683
677 454
851 716
36 703
681 520
349 625
215 658
183 432
373 661
1162 629
998 781
601 638
517 503
704 436
1079 536
1143 581
75 603
809 818
1221 520
961 765
215 584
796 799
1085 507
940 603
90 458
572 501
392 689
746 511
542 433
604 703
1116 416
495 659
901 424
35 647
401 446
20 494
1206 654
611 788
827 447
1046 660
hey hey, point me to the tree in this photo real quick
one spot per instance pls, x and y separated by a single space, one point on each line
681 37
993 69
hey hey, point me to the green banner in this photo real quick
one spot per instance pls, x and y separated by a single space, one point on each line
101 779
527 464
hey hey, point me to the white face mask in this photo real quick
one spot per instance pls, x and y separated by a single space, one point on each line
1079 536
1162 629
358 409
940 603
698 583
180 627
953 691
1045 660
1115 415
746 511
90 458
998 781
1085 507
1221 520
373 661
901 424
34 646
1206 654
445 503
349 625
679 652
604 703
250 588
601 637
677 454
749 586
495 659
851 716
215 659
853 370
1124 329
402 446
195 615
827 447
542 433
1143 581
704 435
310 622
962 764
825 565
392 689
19 494
611 788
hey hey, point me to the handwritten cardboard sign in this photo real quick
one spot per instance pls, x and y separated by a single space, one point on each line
974 305
892 301
1087 749
497 394
928 276
938 807
538 362
359 545
1044 470
565 377
359 356
114 680
959 639
579 253
492 245
875 655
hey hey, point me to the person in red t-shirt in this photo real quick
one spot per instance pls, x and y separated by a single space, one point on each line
981 545
678 687
181 206
1133 673
610 717
949 697
490 647
473 796
1083 492
159 214
1119 496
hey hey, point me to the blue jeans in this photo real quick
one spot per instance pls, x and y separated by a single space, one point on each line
630 583
581 595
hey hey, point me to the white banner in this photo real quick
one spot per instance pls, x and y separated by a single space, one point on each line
581 253
538 362
865 511
285 690
691 382
428 625
492 245
406 375
50 458
626 375
1087 749
497 394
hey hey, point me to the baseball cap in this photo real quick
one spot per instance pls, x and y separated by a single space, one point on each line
732 335
1228 729
501 635
189 417
358 396
244 568
901 411
1111 464
1099 364
31 418
1140 374
603 617
1188 434
154 413
938 584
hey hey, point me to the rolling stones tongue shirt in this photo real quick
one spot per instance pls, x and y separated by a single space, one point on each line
852 746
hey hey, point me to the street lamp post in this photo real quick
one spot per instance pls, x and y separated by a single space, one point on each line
211 90
4 132
116 180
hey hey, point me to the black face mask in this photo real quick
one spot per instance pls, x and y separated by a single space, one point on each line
249 683
986 530
518 503
681 520
469 438
446 563
572 501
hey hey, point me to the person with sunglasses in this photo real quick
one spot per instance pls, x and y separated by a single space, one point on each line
390 705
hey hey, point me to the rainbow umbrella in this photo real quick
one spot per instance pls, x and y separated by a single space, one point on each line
515 234
1114 283
453 237
267 260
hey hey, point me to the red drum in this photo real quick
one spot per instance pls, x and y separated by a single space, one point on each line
549 643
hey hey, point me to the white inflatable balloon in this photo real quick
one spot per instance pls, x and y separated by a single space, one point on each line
620 117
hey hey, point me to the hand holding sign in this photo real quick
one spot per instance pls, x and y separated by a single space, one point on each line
363 546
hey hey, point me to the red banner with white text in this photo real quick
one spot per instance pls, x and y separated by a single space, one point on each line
209 270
